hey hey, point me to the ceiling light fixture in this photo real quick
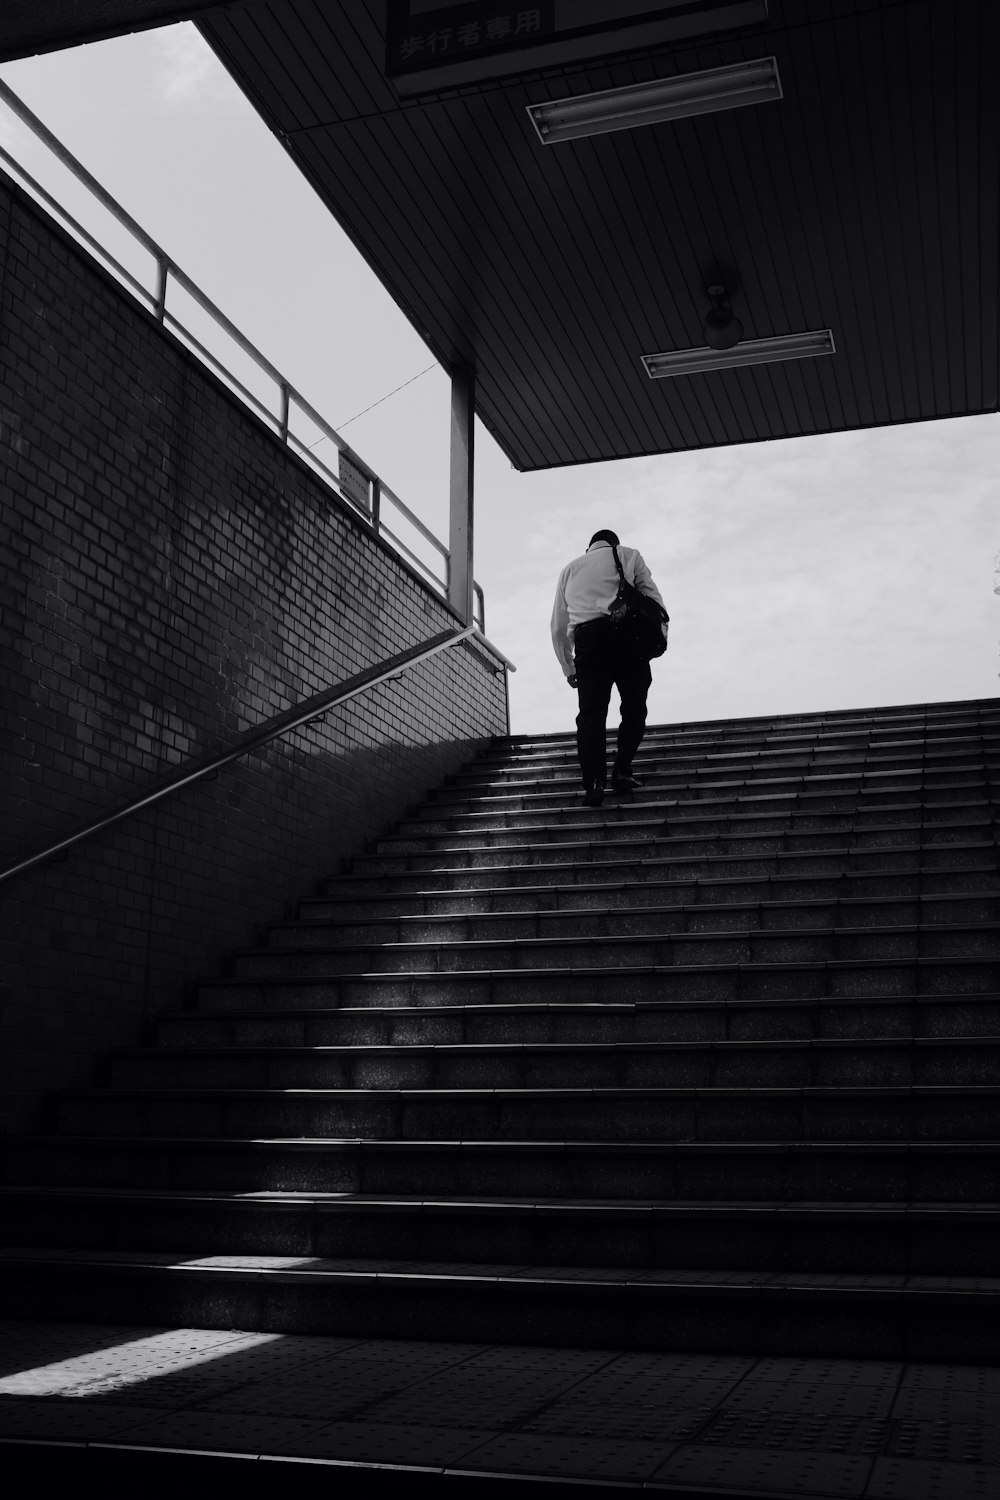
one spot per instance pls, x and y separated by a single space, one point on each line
663 99
749 352
722 328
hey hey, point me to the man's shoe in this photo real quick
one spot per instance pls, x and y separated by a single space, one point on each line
593 796
624 781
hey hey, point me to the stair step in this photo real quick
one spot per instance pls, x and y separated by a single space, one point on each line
918 1112
903 1317
315 927
901 1017
842 978
308 957
935 754
667 822
735 1171
783 864
744 809
555 1065
877 1238
976 881
649 842
482 793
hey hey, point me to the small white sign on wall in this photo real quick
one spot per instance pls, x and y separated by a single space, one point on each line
355 484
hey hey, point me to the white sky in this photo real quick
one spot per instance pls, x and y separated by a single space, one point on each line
818 573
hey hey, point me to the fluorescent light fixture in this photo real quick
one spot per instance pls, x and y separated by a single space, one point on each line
749 352
663 99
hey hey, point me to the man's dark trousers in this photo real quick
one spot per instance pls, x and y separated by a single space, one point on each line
602 661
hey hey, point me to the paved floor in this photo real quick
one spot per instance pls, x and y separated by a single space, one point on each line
691 1423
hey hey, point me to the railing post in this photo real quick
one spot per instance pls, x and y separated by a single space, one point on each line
463 408
285 403
162 268
376 502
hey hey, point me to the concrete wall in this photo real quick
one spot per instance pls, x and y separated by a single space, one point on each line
171 576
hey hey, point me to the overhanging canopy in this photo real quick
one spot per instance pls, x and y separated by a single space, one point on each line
863 201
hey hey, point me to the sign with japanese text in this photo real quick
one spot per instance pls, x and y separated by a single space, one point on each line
436 44
420 37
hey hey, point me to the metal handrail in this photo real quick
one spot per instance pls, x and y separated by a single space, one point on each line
166 271
311 708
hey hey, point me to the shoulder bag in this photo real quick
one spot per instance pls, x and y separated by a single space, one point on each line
639 618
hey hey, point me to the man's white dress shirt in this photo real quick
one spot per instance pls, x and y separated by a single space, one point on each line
586 590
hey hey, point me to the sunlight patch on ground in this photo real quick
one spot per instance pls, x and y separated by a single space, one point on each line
125 1364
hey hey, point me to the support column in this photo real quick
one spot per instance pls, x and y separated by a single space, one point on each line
463 406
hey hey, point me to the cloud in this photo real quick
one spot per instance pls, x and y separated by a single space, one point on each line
189 70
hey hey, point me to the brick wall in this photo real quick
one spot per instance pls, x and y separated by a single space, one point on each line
172 576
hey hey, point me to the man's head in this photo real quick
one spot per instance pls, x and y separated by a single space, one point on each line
604 536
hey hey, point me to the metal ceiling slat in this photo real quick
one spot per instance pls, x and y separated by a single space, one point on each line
943 244
801 204
361 86
910 285
845 230
810 154
895 304
558 274
927 229
976 172
606 280
986 307
861 197
516 252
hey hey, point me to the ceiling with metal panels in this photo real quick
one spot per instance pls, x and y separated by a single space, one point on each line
863 201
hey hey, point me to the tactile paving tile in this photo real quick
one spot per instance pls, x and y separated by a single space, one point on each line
219 1431
958 1442
812 1398
747 1468
647 1423
68 1421
951 1377
835 1371
947 1405
662 1393
490 1411
790 1433
579 1457
654 1367
327 1401
385 1443
575 1363
916 1479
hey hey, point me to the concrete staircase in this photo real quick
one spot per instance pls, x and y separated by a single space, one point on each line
713 1067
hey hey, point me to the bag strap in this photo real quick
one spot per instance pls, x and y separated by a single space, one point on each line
618 564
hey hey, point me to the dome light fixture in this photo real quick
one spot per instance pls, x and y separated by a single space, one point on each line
722 328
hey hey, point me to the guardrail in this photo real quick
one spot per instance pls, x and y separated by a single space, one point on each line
354 482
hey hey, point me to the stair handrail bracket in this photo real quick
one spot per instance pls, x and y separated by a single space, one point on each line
254 739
